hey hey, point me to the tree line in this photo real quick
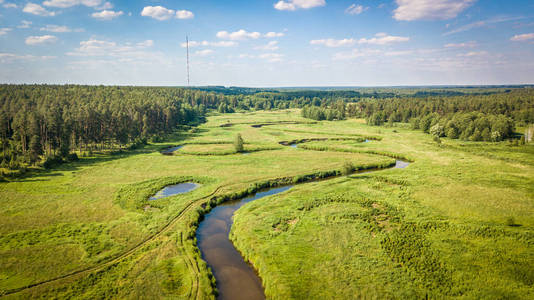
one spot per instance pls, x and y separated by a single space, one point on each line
481 116
47 123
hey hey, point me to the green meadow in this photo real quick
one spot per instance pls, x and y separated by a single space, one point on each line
456 223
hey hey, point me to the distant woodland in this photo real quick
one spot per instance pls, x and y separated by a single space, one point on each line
41 125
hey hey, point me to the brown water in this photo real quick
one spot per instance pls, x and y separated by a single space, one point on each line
236 279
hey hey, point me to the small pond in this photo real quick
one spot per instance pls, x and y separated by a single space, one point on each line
175 189
171 150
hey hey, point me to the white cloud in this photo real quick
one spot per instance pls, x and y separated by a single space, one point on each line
271 57
70 3
126 53
298 4
355 9
411 10
371 53
145 44
157 12
43 39
238 35
56 28
482 23
246 55
24 24
383 39
398 53
272 34
271 46
38 10
161 13
523 37
333 43
209 44
10 5
470 44
473 53
105 6
184 14
4 31
355 53
106 15
204 52
9 57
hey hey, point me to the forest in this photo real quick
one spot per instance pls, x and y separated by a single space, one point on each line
42 125
361 186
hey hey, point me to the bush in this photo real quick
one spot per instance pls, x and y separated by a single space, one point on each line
72 157
238 143
347 168
52 161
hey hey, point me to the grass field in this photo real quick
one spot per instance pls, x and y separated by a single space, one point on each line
457 222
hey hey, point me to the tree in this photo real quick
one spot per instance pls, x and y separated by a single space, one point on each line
437 130
238 143
347 168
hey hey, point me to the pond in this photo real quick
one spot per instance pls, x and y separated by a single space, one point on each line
175 189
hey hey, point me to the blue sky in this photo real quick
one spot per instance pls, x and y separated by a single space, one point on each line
268 42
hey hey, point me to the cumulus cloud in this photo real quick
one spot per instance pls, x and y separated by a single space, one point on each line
238 35
209 44
4 31
334 43
292 5
38 10
383 39
523 37
411 10
355 9
106 15
470 44
38 40
70 3
184 14
161 13
272 34
270 46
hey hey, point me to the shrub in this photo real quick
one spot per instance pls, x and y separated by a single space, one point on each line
347 168
238 143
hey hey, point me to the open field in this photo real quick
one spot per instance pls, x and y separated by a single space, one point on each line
89 223
456 223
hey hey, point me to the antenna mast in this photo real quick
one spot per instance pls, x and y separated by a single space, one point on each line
187 46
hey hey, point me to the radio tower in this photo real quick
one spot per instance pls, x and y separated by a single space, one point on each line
187 46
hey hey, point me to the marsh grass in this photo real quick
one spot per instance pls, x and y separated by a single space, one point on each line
322 239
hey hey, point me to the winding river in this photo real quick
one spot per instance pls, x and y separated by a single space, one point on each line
236 279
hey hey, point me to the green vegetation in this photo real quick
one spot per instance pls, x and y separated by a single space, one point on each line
457 222
238 143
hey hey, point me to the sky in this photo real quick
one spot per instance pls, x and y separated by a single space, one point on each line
268 43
